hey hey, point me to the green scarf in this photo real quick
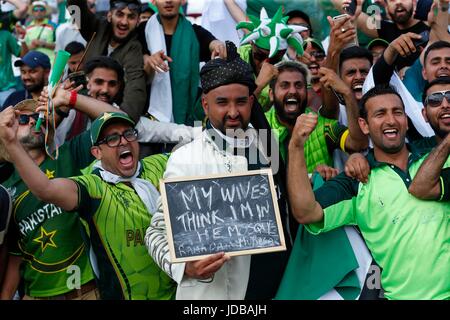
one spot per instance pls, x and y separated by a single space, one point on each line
184 70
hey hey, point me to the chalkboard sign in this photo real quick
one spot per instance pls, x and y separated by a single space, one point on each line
234 213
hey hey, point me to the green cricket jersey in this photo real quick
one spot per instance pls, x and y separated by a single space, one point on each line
328 135
409 238
48 238
118 220
8 47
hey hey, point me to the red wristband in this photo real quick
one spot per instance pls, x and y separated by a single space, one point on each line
73 98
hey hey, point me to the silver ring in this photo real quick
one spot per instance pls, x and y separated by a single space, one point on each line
343 30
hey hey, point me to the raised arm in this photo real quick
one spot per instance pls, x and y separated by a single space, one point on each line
88 20
90 106
439 23
427 183
235 11
364 22
338 40
61 192
21 8
305 208
356 140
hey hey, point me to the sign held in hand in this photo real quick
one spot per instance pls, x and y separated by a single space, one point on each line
234 213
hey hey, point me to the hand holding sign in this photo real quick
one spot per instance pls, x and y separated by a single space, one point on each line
236 214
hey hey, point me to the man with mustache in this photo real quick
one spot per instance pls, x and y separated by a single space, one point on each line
116 200
229 145
34 71
45 240
289 96
401 13
117 38
395 225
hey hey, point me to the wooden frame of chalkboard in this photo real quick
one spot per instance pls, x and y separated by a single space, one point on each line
252 237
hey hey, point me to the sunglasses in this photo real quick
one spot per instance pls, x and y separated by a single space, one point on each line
435 99
120 5
114 140
39 9
25 118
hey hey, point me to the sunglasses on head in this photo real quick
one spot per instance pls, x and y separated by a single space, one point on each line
121 5
25 118
113 140
38 9
435 99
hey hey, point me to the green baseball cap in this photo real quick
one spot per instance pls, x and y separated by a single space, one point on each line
377 41
315 42
107 117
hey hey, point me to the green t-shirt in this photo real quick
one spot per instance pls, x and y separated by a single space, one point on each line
118 220
8 47
408 237
48 238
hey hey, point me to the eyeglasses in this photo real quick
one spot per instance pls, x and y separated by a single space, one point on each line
114 140
120 5
435 99
39 9
25 118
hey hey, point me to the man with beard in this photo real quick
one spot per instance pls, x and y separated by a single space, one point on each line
9 18
401 13
229 145
34 71
116 200
437 115
176 47
289 96
45 240
117 39
395 225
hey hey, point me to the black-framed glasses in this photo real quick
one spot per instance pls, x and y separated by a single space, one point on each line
113 140
25 118
119 5
435 99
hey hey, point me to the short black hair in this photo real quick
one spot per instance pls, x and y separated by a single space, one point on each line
74 47
300 14
378 90
435 46
437 81
289 66
106 63
355 52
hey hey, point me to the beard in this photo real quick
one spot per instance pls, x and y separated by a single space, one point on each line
35 88
32 142
438 131
289 117
404 18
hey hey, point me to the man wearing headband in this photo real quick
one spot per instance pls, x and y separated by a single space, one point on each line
43 238
228 145
117 38
116 200
265 45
